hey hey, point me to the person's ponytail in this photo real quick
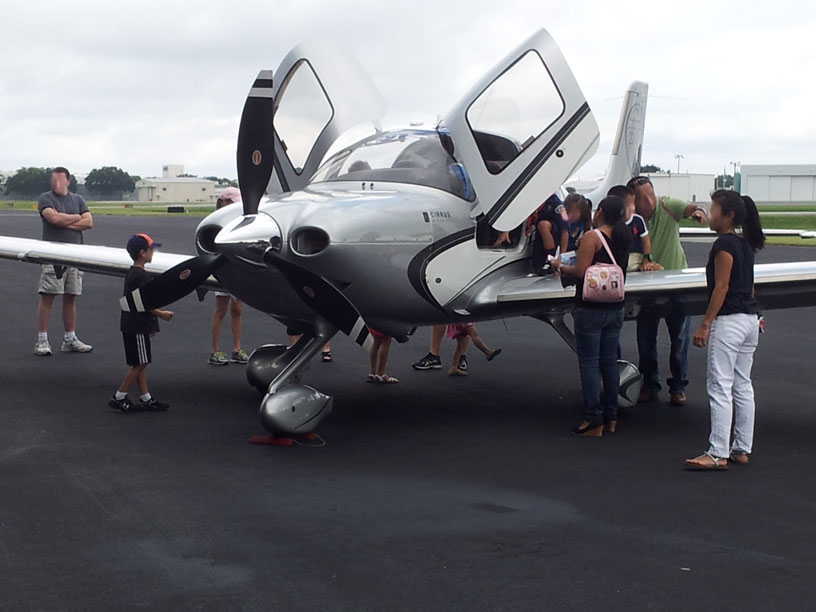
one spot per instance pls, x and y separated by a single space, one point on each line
744 214
621 234
613 211
752 226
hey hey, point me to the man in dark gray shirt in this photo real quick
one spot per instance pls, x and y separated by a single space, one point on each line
64 217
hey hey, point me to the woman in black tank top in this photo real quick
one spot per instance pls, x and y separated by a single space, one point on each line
598 324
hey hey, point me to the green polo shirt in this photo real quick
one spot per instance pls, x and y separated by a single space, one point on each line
664 231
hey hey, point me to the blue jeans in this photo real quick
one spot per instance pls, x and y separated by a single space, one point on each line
597 332
679 326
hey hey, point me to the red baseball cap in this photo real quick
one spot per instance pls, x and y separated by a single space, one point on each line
140 242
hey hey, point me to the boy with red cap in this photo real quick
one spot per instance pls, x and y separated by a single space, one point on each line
137 329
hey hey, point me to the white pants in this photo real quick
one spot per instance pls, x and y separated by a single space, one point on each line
731 345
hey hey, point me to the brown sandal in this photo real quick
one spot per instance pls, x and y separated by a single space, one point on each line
709 464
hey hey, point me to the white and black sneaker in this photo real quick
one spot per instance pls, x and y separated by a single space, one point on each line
428 362
463 365
75 345
125 405
42 348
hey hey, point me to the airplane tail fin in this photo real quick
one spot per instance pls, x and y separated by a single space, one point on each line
628 146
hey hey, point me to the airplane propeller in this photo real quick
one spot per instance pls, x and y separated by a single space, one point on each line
323 298
172 285
256 142
255 160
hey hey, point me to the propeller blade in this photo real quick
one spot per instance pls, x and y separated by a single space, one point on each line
323 298
172 285
256 142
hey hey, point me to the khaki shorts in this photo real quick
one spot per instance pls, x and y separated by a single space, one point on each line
635 261
70 283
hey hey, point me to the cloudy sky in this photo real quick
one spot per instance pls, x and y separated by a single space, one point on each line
141 84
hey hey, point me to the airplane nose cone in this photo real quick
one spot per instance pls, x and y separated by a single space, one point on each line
249 237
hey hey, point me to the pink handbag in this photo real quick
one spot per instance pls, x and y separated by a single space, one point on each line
604 282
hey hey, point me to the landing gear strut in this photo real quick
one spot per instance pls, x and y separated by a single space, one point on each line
630 377
289 407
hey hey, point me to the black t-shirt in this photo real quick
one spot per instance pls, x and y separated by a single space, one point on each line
621 254
137 322
740 296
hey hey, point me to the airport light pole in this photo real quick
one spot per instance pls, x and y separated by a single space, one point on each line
734 165
678 157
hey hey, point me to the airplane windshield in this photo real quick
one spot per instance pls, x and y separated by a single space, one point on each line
414 157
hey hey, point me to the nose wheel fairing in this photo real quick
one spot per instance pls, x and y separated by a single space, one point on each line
288 406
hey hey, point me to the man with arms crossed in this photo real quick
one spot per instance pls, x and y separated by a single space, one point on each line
64 217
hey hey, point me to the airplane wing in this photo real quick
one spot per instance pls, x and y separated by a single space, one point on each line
87 257
704 232
780 285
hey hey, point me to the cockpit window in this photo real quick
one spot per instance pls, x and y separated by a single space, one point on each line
413 157
513 111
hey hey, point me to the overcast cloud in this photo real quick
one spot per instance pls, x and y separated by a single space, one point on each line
141 84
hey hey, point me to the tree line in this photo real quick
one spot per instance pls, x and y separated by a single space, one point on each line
107 181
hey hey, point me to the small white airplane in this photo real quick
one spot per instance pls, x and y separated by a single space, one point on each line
397 230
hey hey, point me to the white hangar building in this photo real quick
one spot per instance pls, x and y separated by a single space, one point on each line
172 188
688 187
779 184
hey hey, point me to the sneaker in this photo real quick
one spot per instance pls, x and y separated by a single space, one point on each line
428 362
152 405
463 363
125 405
75 346
239 356
42 348
218 358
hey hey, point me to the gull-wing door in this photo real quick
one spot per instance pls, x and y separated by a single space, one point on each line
522 131
320 91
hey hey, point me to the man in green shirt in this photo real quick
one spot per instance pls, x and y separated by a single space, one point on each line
663 216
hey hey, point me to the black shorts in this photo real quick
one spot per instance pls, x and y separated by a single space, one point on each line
137 349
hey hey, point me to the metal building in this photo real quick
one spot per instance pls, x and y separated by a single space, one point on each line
779 184
688 187
171 188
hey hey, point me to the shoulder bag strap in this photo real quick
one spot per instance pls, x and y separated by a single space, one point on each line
606 246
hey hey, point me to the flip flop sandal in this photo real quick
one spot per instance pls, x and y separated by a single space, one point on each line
326 357
739 457
714 466
373 378
388 380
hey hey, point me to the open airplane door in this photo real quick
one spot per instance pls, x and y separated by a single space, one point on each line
320 92
522 131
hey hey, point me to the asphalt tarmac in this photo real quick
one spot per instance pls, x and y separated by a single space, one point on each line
434 494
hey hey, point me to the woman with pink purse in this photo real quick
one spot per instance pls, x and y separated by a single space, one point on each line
598 313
